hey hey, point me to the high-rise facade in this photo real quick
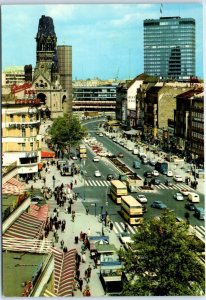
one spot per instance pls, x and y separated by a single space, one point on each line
169 47
64 54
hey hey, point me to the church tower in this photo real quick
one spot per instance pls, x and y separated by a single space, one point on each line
46 47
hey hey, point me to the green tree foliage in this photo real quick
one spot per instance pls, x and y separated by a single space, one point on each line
67 131
164 260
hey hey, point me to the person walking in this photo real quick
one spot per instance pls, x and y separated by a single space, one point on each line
73 216
71 185
84 257
78 274
111 225
89 270
80 284
62 244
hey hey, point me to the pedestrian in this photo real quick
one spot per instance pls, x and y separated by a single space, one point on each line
32 188
80 284
81 236
87 211
46 170
65 250
86 292
84 257
62 244
95 262
86 275
111 225
75 182
57 212
125 227
89 271
77 274
71 185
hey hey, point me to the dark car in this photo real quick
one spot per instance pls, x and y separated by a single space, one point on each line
190 206
37 198
144 208
155 181
168 183
110 177
158 204
148 174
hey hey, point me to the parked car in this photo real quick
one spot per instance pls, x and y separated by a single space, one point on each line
155 181
136 164
178 178
178 196
100 134
155 173
152 162
120 155
148 174
37 198
125 237
169 183
96 159
110 177
97 174
142 199
190 206
169 173
184 192
158 204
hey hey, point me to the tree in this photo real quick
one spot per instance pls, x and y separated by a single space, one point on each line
163 260
67 131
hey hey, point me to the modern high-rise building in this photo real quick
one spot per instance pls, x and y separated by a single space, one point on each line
169 48
64 54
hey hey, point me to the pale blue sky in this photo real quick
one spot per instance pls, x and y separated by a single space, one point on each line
107 40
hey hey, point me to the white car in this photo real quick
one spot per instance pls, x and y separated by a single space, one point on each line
169 173
96 159
178 178
100 134
97 174
185 192
142 199
178 196
125 238
155 173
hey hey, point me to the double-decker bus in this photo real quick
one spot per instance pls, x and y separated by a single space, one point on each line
131 210
118 189
82 151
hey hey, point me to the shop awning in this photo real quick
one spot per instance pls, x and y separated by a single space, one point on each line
39 212
131 132
64 272
13 186
47 154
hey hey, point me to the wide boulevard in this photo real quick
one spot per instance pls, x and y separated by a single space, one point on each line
95 190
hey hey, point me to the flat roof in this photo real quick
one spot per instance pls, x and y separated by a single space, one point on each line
118 184
131 199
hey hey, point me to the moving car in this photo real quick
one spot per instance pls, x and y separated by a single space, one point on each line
37 198
169 173
136 164
200 213
100 134
158 204
155 181
96 159
155 173
125 237
190 206
97 174
178 178
185 192
178 196
193 197
120 155
168 183
148 174
142 199
110 177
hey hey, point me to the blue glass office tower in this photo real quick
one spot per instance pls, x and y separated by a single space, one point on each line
169 48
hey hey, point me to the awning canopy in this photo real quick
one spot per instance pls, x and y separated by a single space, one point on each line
13 186
64 272
40 212
47 153
131 132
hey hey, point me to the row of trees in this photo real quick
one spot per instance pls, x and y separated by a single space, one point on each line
164 260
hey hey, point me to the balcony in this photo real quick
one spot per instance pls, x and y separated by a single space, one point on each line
21 125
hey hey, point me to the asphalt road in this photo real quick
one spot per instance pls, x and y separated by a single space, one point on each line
94 193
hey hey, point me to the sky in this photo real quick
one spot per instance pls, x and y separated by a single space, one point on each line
106 39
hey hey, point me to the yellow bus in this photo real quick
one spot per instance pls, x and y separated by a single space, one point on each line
82 151
131 210
118 189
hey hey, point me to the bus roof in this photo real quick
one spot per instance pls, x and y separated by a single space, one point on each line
130 200
118 184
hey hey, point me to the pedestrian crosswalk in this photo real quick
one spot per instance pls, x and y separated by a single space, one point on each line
199 231
120 227
162 186
91 182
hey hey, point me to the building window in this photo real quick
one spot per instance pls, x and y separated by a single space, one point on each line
11 118
31 131
32 146
23 132
23 147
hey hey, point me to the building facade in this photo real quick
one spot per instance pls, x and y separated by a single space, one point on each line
13 75
95 98
169 48
21 139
